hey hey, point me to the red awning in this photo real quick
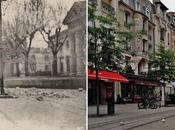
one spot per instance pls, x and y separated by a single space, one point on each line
106 75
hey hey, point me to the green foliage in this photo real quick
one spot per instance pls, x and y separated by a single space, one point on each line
105 41
162 64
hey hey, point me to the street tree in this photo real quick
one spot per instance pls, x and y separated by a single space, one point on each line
28 20
32 16
52 32
105 43
13 39
162 65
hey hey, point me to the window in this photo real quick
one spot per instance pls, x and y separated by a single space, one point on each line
46 68
33 57
138 6
144 46
126 20
144 24
67 44
173 19
46 58
162 33
68 63
150 47
150 37
168 39
61 65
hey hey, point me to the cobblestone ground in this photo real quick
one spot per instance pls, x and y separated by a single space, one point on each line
169 124
43 109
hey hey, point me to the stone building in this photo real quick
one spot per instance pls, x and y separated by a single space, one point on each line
151 25
40 61
160 20
138 14
171 28
72 57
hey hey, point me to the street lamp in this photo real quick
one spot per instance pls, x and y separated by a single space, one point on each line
1 52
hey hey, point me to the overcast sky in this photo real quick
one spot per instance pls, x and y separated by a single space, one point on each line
170 4
38 40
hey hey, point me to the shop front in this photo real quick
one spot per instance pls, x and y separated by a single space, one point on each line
105 90
138 87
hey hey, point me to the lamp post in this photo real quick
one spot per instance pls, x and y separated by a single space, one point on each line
1 52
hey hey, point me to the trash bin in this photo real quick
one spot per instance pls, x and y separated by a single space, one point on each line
110 100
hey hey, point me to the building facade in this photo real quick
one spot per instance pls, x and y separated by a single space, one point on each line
151 24
72 57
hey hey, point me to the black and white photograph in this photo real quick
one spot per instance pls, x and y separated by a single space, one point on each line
42 65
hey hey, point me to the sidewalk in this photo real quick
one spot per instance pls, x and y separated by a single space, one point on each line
128 114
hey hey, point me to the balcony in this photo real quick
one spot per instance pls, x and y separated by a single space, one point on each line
106 8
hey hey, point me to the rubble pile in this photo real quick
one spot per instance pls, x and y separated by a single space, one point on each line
34 92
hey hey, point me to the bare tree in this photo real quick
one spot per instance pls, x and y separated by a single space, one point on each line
33 17
15 40
52 33
28 20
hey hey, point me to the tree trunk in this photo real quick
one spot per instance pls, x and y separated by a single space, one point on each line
26 65
17 69
54 64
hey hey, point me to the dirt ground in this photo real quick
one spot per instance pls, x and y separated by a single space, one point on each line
43 109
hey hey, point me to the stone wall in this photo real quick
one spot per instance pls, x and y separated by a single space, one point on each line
46 82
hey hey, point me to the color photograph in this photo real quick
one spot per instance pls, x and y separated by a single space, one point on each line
131 64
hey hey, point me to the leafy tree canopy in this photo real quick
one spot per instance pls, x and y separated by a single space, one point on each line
162 64
105 41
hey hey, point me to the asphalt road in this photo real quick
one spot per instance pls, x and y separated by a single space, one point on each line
127 117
